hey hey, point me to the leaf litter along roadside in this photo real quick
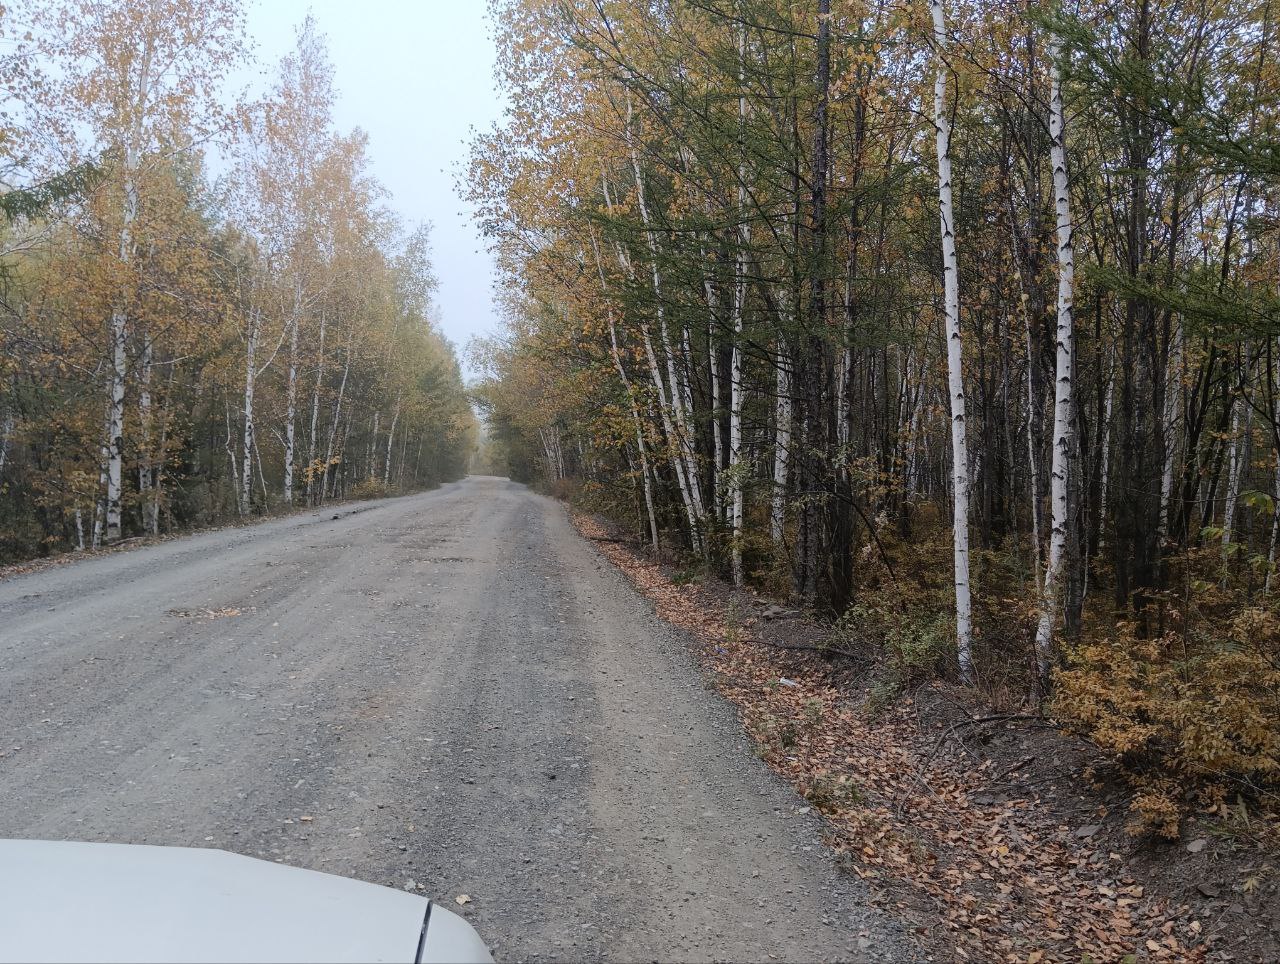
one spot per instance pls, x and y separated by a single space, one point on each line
973 854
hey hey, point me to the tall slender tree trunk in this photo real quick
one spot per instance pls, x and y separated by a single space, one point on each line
1237 459
229 436
1063 402
678 391
1104 470
1172 396
391 434
291 393
1274 542
250 380
6 433
333 429
119 328
641 446
315 413
781 446
955 371
736 468
828 527
717 402
144 431
664 406
162 455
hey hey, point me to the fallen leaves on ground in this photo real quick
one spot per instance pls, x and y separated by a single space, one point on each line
979 881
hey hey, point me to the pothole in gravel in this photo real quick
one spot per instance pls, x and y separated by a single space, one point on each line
208 613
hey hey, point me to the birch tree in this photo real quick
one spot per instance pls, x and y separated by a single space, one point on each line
955 370
1063 401
123 82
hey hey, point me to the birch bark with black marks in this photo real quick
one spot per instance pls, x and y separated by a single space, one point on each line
1063 407
736 468
119 328
955 371
250 381
291 392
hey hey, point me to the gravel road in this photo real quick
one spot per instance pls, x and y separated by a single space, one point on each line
450 688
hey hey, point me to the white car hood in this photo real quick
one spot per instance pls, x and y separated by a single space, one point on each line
63 901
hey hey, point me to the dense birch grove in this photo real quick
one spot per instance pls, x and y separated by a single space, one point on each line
955 321
209 311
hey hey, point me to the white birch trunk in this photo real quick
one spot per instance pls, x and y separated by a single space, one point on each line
1063 407
291 395
115 429
717 436
664 407
736 468
955 372
641 446
678 391
144 428
99 503
119 314
315 412
391 434
250 380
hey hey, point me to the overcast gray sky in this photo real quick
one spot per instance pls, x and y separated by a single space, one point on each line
416 75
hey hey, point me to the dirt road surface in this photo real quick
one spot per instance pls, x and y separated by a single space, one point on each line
450 688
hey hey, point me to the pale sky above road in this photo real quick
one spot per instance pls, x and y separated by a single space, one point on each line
416 75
